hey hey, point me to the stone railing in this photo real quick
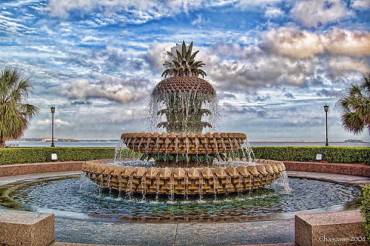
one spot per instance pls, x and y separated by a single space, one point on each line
26 228
334 228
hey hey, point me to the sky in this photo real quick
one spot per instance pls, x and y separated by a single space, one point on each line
274 63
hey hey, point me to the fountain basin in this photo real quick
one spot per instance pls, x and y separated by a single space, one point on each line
79 198
184 181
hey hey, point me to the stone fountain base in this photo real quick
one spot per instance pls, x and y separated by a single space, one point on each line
184 181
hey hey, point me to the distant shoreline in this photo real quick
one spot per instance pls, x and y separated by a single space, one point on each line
114 143
115 140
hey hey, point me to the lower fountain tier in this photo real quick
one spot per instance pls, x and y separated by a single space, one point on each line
184 181
184 143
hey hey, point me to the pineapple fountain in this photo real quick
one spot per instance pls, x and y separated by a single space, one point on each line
182 160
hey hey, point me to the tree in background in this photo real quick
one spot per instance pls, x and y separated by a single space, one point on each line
15 113
356 107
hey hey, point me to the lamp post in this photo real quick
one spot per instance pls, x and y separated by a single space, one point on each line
52 109
326 109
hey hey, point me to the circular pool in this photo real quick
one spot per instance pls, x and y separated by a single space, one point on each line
75 197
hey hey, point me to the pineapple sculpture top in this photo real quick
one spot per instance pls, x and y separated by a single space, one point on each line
182 97
183 63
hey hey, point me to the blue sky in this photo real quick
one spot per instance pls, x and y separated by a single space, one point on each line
273 63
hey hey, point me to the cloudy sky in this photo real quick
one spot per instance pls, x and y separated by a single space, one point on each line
273 63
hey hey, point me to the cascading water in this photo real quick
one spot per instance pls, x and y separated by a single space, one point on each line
242 156
84 180
283 182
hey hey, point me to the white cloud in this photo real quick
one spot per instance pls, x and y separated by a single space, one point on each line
295 43
62 8
142 11
58 122
313 13
361 4
198 21
346 42
108 88
156 55
341 65
273 12
249 3
258 70
13 25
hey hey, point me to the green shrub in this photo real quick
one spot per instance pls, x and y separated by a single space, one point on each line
331 154
42 154
365 208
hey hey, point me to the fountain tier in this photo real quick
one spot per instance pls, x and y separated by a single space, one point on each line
184 181
184 143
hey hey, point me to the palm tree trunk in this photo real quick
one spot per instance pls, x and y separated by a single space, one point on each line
2 141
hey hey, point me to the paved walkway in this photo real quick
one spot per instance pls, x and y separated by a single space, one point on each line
337 178
82 244
176 234
11 179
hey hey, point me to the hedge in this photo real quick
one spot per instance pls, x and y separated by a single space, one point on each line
365 208
331 154
42 154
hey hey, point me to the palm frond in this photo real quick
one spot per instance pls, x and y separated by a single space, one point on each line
170 54
183 48
194 55
15 114
188 54
366 84
353 122
356 108
183 63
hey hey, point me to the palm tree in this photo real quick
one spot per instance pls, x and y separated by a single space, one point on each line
183 63
15 114
356 107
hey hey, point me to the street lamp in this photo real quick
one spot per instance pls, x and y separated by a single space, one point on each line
52 109
326 109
